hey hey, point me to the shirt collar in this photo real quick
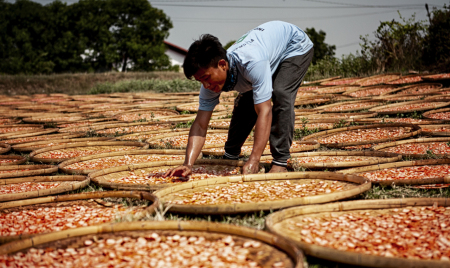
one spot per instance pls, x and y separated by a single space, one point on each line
231 76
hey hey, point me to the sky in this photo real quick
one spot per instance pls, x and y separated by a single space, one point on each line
343 21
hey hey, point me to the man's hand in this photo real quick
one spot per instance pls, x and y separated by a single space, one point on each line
184 171
251 167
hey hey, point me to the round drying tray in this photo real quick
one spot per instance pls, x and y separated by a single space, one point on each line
360 135
8 160
436 77
60 153
340 159
417 172
419 88
340 82
84 122
377 79
406 120
36 145
256 192
32 187
406 79
257 248
319 81
7 130
93 163
246 150
54 119
349 106
179 140
15 141
193 107
134 128
338 116
373 91
423 88
418 148
61 212
335 89
142 136
135 177
436 130
439 114
14 171
292 224
4 148
27 133
409 107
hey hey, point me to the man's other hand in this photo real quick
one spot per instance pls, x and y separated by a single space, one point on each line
181 171
251 167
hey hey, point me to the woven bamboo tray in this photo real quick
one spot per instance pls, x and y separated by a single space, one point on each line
84 122
280 221
310 101
92 127
8 160
354 185
9 121
422 105
103 177
436 77
93 198
386 146
341 82
68 183
338 116
431 130
212 149
404 97
273 249
14 171
64 165
376 79
415 130
27 133
364 105
106 145
155 141
142 136
319 81
31 146
399 120
375 158
410 88
372 91
9 129
193 107
20 140
4 148
431 114
131 128
52 119
397 181
406 79
335 89
220 123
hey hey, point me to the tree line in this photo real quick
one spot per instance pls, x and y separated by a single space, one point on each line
87 36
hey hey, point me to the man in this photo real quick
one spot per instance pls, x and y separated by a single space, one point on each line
266 64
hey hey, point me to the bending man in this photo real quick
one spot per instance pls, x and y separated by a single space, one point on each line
265 65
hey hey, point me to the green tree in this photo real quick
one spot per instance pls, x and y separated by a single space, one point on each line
437 43
398 45
139 31
321 49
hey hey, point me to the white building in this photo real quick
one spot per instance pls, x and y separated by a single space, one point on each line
176 54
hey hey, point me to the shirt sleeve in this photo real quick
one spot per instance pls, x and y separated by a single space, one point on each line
260 75
208 99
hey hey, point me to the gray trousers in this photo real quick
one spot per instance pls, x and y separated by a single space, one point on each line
285 81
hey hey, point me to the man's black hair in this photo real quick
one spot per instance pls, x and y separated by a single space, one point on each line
205 52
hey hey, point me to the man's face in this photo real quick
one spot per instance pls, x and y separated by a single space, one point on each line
213 78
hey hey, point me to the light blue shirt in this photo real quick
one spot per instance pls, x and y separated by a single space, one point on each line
257 55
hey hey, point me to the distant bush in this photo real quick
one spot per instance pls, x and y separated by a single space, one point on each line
154 85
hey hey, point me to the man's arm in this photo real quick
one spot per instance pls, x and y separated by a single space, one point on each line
197 135
261 136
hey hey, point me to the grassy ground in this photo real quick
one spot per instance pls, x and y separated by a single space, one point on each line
72 83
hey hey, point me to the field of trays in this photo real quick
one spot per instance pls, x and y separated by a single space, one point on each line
82 181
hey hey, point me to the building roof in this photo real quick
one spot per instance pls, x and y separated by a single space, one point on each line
176 48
